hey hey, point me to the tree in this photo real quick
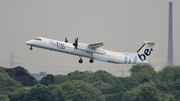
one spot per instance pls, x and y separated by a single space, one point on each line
166 97
169 74
130 82
78 90
105 77
59 79
102 86
144 92
39 93
7 84
4 98
164 86
137 68
20 94
49 79
78 75
144 73
148 93
114 96
130 95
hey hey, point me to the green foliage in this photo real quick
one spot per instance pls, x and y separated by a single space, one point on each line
20 94
137 68
130 95
7 84
102 86
178 99
49 79
130 82
169 74
115 96
12 73
39 93
144 92
170 80
78 75
148 92
144 73
167 97
59 79
80 91
144 84
105 77
4 98
101 80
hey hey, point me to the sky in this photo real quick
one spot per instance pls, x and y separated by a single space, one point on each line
122 24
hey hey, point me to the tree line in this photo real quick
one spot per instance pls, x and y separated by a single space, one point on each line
144 84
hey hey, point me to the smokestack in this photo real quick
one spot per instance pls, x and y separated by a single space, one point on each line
170 37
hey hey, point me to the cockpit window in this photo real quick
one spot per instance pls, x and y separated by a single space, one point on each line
37 39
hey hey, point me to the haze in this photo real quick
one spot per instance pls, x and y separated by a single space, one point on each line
122 24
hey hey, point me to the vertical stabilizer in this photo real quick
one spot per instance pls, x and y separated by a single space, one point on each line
146 50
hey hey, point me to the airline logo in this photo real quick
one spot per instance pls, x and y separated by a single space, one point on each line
147 52
57 44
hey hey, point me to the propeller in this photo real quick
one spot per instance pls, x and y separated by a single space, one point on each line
75 44
66 40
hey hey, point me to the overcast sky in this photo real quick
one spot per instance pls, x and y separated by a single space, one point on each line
122 24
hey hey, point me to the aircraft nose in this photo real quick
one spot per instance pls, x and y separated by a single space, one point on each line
28 42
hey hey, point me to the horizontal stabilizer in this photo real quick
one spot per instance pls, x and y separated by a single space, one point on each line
150 42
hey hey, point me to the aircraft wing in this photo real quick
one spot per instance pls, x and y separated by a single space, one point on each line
96 45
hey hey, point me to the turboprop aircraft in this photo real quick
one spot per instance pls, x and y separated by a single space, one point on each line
94 51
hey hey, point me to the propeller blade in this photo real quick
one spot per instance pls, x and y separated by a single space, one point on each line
75 44
66 40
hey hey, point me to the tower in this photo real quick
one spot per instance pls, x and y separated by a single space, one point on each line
12 60
170 36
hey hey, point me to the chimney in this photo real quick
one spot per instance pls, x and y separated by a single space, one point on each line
170 37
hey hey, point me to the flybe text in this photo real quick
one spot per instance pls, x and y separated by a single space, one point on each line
57 44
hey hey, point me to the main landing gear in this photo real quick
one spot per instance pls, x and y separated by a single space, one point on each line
81 61
91 60
31 48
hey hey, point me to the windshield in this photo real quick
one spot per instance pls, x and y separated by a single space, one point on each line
37 39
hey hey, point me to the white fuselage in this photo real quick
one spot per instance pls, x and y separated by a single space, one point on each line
83 51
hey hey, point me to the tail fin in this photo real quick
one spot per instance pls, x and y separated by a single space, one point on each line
146 50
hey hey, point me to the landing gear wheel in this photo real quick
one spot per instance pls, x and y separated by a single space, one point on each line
80 61
91 60
31 48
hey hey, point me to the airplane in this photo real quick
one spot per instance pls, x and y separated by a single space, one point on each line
94 51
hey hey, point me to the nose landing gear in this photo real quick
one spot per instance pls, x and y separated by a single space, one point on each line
31 48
